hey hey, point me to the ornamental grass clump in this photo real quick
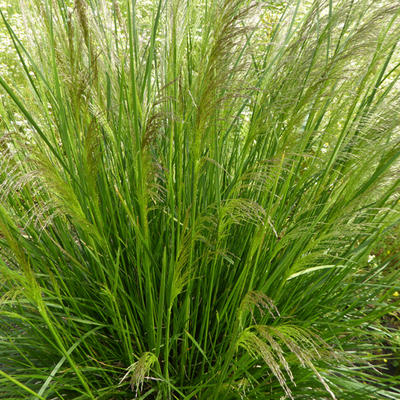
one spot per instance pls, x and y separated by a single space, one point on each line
191 211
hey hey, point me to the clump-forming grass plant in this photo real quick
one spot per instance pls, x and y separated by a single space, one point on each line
191 218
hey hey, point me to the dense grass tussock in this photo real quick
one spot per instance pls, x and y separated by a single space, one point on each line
191 212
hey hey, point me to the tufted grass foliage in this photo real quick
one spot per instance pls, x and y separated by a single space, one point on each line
190 213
